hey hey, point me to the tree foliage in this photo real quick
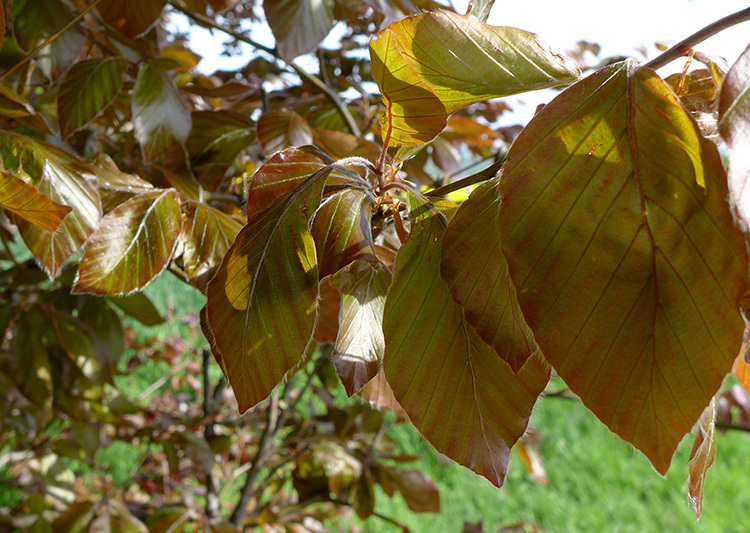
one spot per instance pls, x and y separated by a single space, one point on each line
319 213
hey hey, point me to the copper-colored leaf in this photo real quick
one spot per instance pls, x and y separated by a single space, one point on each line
477 274
419 491
457 392
379 394
133 243
329 304
702 456
741 370
627 264
131 17
25 201
431 65
218 136
116 186
298 25
282 128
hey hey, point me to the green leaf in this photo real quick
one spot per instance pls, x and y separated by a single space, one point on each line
283 128
140 307
133 243
341 229
25 201
261 303
474 268
65 180
298 25
131 17
734 126
702 456
360 346
457 392
219 136
87 90
160 118
627 264
431 65
207 235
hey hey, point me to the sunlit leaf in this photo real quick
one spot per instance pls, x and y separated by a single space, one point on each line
480 8
339 145
207 235
298 25
218 136
88 88
281 129
341 229
131 17
734 126
741 370
65 180
531 456
25 201
702 456
160 118
457 392
360 346
474 267
131 245
627 264
261 303
379 394
431 65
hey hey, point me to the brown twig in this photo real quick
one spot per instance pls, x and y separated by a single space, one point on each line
209 408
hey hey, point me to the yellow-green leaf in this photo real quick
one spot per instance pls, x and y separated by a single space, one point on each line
25 201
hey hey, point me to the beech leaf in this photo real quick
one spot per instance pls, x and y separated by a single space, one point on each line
456 390
741 370
25 201
627 264
219 136
431 65
261 303
131 17
283 128
133 243
702 456
734 126
298 25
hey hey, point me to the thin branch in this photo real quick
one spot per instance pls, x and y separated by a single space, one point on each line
735 427
51 38
684 46
312 78
374 513
209 408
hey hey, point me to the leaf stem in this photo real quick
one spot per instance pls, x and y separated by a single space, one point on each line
51 38
312 78
478 177
683 47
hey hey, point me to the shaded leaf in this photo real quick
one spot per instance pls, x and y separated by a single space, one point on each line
28 364
431 65
379 394
615 224
734 126
261 303
2 25
160 118
702 456
455 388
419 491
65 180
329 303
131 17
340 145
133 243
298 25
360 346
364 496
189 187
219 136
14 105
87 90
25 201
282 128
140 307
116 186
341 229
476 272
207 235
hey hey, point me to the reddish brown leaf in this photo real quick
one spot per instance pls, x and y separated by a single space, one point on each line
281 129
327 321
25 201
419 491
702 456
131 17
379 393
741 369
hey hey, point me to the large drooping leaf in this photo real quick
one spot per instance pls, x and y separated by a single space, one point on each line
261 303
702 456
474 267
218 136
360 346
87 90
160 118
341 229
25 201
298 25
734 126
131 17
283 128
627 264
207 235
460 395
65 180
433 64
131 245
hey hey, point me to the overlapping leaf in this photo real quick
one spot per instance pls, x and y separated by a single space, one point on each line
702 456
160 118
626 260
65 180
283 128
14 105
431 65
218 136
116 186
207 235
734 126
456 390
298 25
261 303
360 346
131 17
741 370
133 243
474 268
25 201
88 88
